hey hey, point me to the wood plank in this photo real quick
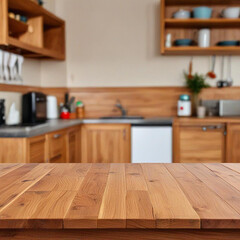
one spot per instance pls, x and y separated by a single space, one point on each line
64 177
139 210
15 183
138 205
113 208
228 172
37 209
213 211
134 177
84 210
216 184
170 206
7 168
118 234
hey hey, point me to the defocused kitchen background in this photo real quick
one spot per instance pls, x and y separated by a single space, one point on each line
115 57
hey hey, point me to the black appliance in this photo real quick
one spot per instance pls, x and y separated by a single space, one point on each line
2 111
34 108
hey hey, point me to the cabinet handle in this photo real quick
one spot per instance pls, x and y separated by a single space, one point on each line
56 136
205 128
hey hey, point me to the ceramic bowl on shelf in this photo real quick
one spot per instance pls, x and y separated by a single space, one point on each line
232 12
228 43
183 42
202 12
182 14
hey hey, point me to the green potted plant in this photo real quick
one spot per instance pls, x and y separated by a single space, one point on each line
195 83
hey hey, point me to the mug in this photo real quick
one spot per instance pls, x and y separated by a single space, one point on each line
201 112
204 38
232 12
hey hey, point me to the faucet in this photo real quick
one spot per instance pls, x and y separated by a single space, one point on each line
123 110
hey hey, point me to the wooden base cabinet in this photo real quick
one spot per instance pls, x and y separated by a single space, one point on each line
198 143
106 143
233 143
57 147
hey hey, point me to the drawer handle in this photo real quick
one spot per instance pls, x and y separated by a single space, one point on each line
205 128
56 136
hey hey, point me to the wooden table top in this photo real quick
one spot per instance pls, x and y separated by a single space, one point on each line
164 196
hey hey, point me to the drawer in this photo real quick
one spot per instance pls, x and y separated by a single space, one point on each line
57 144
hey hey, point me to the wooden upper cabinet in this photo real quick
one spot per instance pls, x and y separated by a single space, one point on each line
199 143
106 143
233 143
43 36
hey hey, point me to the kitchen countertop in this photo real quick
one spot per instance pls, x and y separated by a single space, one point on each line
120 196
54 125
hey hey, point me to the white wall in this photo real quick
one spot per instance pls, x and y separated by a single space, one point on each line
116 43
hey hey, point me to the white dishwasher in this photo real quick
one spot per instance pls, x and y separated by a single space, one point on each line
151 143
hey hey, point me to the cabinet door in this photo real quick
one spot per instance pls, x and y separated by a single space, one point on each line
36 150
57 147
233 143
73 151
200 144
105 143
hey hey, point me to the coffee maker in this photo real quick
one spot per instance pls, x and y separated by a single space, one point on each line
2 111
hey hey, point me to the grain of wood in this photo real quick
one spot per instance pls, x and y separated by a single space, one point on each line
228 172
213 211
113 208
37 209
15 183
171 207
84 210
64 177
134 177
216 184
6 168
139 210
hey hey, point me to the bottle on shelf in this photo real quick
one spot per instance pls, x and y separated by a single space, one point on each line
80 110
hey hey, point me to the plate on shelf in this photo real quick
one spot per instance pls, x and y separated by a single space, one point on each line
183 42
228 43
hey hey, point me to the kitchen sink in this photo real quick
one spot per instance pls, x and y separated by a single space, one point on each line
122 117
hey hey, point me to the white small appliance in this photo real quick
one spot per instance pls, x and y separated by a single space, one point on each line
204 38
52 107
184 106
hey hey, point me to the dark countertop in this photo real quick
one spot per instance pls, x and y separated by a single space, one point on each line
55 125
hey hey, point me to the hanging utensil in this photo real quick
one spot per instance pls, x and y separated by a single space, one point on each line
190 76
229 77
212 74
222 83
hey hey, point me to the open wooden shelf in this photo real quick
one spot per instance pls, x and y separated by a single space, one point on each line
201 2
31 51
43 36
221 29
32 9
195 50
16 27
201 23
